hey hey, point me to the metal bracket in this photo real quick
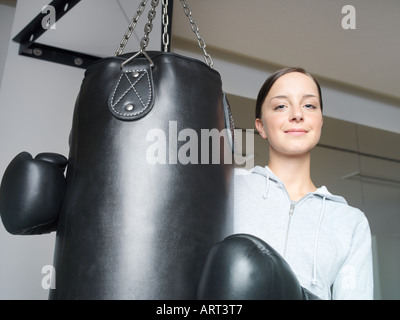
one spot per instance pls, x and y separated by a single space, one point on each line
27 37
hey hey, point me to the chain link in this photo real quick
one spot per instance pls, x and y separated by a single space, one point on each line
165 21
195 29
149 25
132 26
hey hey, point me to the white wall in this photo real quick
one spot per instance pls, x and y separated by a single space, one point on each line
6 19
36 105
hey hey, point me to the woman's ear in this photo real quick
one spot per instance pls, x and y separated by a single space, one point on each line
260 128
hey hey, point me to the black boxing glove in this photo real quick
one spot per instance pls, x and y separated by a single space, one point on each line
243 267
32 192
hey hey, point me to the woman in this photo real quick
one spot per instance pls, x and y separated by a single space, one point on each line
325 242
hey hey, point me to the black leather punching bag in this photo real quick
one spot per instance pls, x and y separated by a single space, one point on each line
132 227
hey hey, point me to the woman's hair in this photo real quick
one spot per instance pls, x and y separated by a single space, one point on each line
271 80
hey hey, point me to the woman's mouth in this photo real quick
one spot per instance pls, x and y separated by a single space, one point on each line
296 132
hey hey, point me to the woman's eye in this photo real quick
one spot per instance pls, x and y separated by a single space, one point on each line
280 107
310 106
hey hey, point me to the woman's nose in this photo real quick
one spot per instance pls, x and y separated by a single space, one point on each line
296 114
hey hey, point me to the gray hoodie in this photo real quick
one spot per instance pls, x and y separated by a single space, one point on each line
326 242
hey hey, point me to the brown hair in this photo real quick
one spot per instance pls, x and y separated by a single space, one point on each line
271 80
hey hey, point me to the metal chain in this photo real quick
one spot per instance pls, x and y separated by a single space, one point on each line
195 29
132 26
165 21
165 37
149 25
145 40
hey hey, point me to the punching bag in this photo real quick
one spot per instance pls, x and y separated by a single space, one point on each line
148 181
145 200
132 227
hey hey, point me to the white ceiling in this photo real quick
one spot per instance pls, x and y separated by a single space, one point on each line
306 33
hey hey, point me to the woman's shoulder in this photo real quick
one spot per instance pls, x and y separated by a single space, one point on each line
256 171
242 171
338 205
247 181
254 175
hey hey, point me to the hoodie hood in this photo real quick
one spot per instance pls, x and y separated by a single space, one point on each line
270 176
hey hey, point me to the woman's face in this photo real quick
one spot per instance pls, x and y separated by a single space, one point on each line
291 117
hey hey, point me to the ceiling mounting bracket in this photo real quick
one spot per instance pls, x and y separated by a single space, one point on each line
30 48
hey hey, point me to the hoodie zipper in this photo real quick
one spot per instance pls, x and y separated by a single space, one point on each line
291 211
